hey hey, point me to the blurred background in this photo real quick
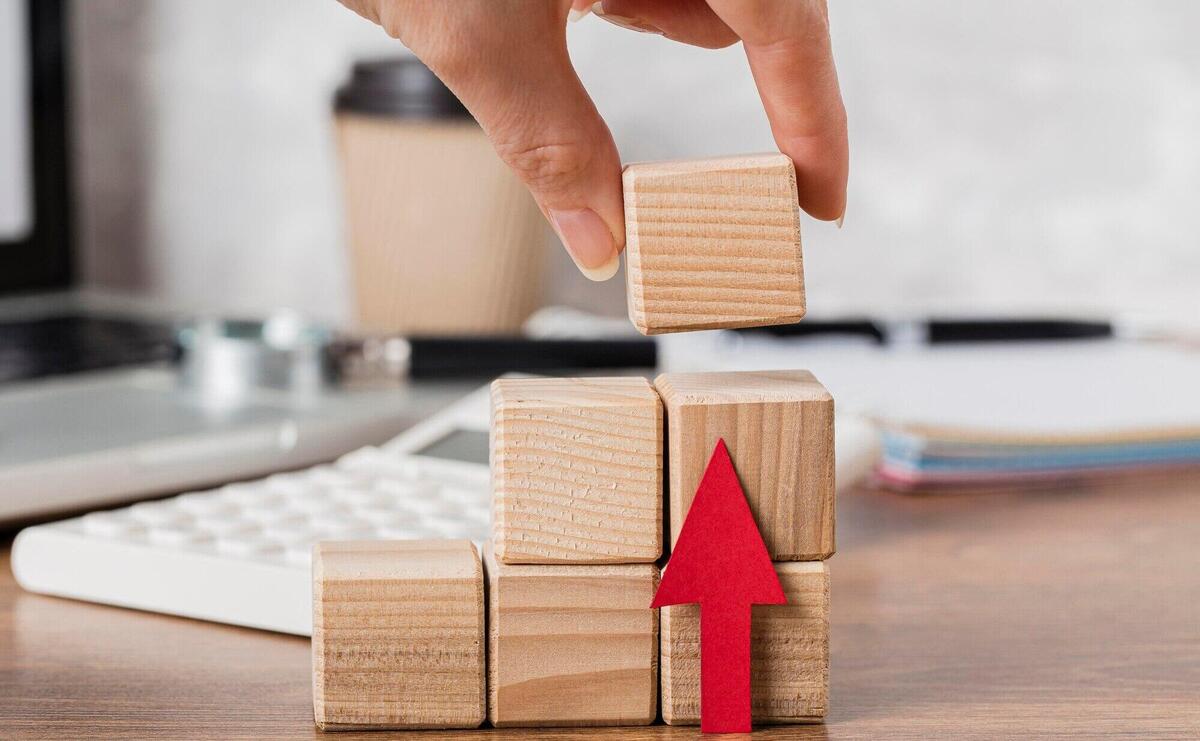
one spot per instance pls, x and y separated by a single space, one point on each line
1006 156
296 204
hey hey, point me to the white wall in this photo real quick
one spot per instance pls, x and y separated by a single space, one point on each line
1005 154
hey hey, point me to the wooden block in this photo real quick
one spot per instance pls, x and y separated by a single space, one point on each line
778 426
789 653
572 645
713 243
397 635
576 470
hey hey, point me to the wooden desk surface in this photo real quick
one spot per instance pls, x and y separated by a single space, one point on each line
1001 615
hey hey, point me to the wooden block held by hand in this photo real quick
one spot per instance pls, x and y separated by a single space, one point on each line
572 645
789 653
398 635
713 243
576 470
778 426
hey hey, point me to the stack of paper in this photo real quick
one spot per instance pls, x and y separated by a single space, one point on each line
939 459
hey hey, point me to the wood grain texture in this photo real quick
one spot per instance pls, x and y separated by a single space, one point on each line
778 426
713 243
965 616
789 661
443 238
571 645
397 635
576 470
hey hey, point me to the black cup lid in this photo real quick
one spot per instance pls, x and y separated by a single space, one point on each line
402 87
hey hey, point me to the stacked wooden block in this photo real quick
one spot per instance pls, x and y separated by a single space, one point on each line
578 526
778 427
399 637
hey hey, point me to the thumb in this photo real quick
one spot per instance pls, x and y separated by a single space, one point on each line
528 99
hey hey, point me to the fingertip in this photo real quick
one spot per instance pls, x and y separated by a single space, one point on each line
589 241
824 207
604 272
822 173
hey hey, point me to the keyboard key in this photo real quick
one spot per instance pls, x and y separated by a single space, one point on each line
356 497
477 517
338 521
404 489
466 496
248 547
343 531
381 464
330 477
111 525
444 527
204 502
316 503
159 513
225 527
177 536
436 507
387 517
411 532
292 530
267 509
244 494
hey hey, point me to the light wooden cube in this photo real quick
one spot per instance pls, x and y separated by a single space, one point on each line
713 243
778 426
576 470
398 636
789 653
572 645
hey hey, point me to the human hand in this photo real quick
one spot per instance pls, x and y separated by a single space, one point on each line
507 61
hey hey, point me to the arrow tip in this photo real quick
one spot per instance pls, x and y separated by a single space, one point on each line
719 555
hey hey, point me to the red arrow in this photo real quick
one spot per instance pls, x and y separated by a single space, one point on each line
720 562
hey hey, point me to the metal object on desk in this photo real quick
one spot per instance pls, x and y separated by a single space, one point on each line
224 360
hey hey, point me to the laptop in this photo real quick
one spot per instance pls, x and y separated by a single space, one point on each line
92 409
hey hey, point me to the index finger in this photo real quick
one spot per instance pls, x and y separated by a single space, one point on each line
791 57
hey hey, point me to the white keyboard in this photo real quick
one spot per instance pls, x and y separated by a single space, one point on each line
242 553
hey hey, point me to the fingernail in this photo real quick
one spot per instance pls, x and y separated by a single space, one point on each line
840 220
588 241
633 24
575 14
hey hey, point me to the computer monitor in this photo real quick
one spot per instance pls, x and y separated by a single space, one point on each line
35 250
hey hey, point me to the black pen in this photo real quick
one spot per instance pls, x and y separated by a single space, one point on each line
393 357
943 331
